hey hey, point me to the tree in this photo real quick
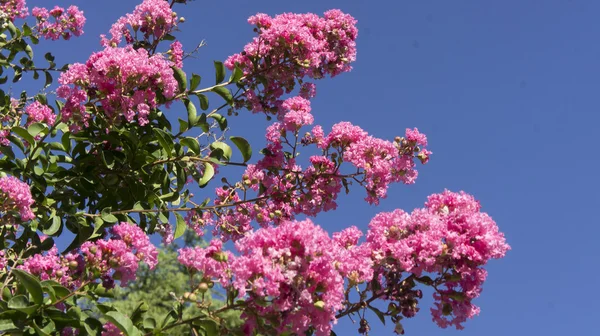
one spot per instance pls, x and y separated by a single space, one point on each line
103 157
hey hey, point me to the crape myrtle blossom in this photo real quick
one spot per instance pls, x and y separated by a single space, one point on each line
289 48
14 9
152 19
116 258
15 198
450 237
58 22
125 82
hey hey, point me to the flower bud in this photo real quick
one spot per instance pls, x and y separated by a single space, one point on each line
203 287
181 19
319 304
59 273
73 264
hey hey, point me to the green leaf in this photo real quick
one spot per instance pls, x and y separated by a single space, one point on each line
32 284
7 325
219 72
48 79
379 314
35 129
181 78
21 303
222 121
165 141
20 131
191 143
191 112
225 93
209 327
149 323
236 75
54 226
107 216
109 159
243 145
222 146
203 101
195 81
209 172
122 322
180 227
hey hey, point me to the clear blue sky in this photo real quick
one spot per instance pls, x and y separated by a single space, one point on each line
507 92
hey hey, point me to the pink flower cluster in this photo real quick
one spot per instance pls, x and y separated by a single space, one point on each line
122 253
14 9
292 266
124 80
381 161
177 54
127 247
211 261
65 23
152 18
15 196
38 112
449 234
290 47
51 265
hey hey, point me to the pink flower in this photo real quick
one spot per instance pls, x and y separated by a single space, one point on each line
177 54
14 9
295 113
291 47
37 112
125 82
152 18
15 196
212 262
293 266
63 23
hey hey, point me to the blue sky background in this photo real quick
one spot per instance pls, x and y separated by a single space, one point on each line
507 93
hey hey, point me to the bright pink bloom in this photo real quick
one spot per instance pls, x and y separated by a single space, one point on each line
125 82
177 54
15 196
14 9
152 18
290 47
59 23
38 112
293 266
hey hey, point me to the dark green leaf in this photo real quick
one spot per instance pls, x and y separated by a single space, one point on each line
225 93
32 284
203 101
236 75
165 141
379 314
192 144
219 72
20 303
20 131
244 147
195 81
222 121
224 147
181 78
208 326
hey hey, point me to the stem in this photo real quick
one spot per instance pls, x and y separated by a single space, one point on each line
122 212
